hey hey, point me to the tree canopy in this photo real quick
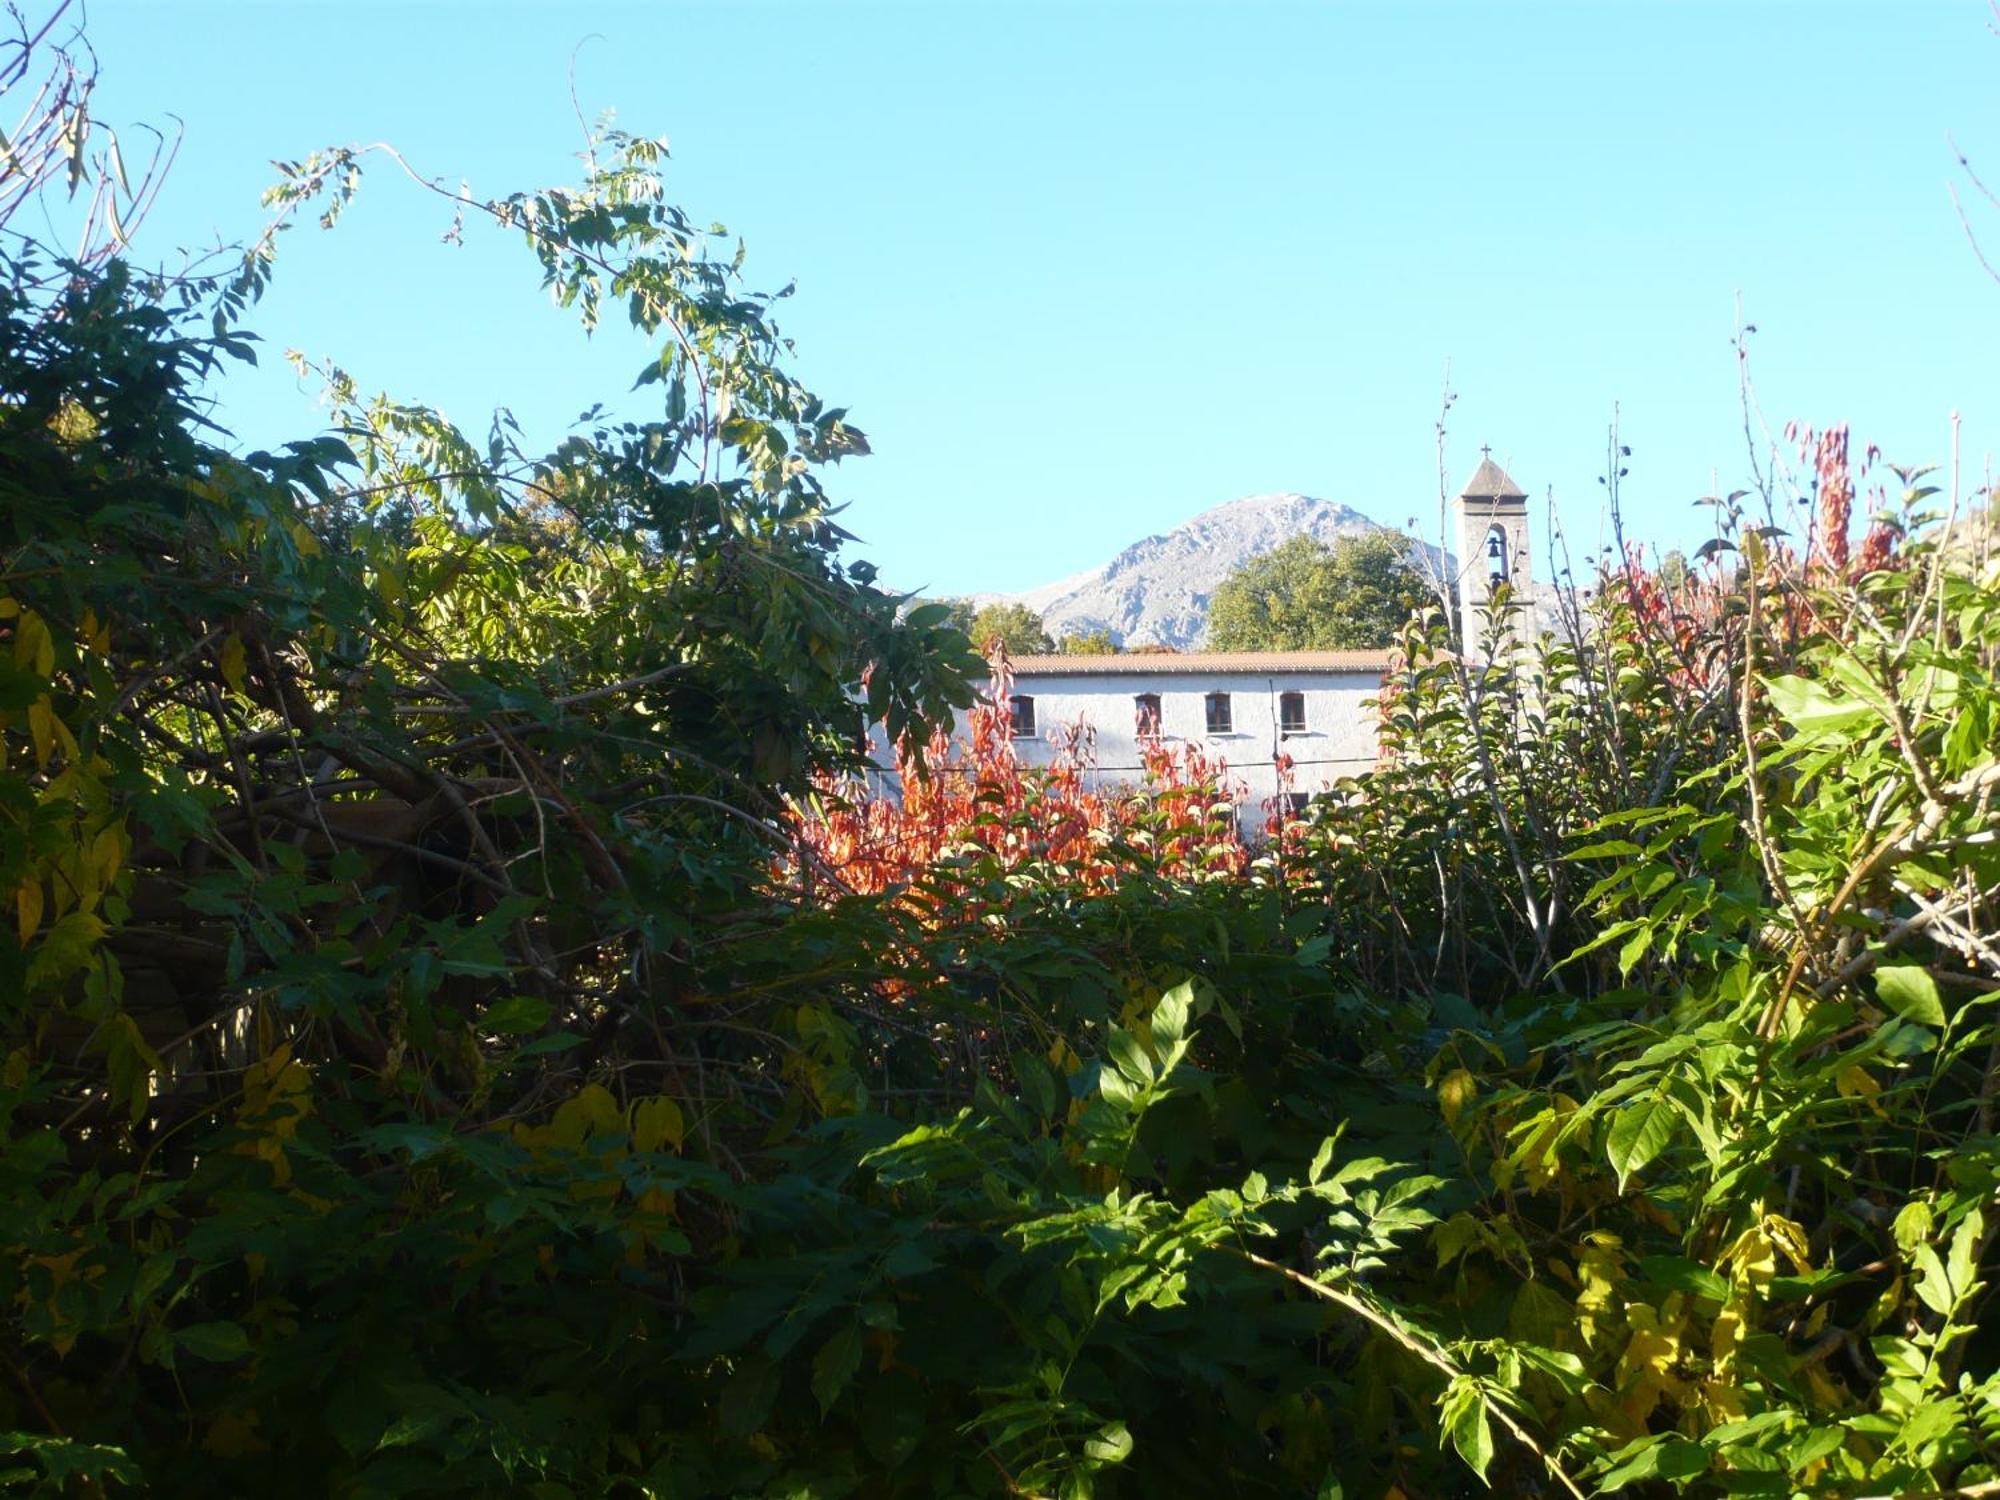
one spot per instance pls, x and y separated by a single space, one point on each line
1303 595
1087 643
1014 626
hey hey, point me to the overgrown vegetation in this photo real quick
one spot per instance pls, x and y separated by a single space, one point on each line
470 1031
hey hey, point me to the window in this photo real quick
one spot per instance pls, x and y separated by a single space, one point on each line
1021 716
1296 803
1291 713
1146 713
1496 555
1219 721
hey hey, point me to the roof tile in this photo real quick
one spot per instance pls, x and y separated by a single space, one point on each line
1490 482
1151 663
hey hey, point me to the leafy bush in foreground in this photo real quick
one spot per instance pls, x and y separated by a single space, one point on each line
441 1058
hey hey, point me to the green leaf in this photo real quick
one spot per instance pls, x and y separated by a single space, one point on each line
893 1419
1910 992
1170 1017
1639 1132
1815 713
1130 1057
1635 948
838 1358
1565 1368
1961 1260
1912 1225
1682 1459
1927 1423
1663 1457
62 1458
516 1015
1038 1083
1608 849
1813 1445
1678 1274
1111 1445
1933 1283
747 1397
219 1342
1466 1425
1322 1159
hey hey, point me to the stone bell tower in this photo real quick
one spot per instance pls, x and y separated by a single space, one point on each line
1492 549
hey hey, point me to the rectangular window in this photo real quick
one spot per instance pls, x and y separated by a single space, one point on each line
1021 716
1296 803
1219 721
1146 713
1291 713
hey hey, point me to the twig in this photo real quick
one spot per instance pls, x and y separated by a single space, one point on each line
1429 1355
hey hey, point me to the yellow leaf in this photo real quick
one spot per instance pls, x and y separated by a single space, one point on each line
272 1087
1456 1090
591 1110
64 739
42 729
1857 1082
1726 1334
34 651
655 1122
231 661
1722 1400
1647 1369
1790 1236
107 853
276 1099
234 1435
1752 1261
28 908
94 633
1599 1269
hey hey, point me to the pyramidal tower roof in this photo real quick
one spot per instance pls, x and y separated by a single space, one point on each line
1490 482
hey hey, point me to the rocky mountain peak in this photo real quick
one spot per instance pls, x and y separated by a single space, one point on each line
1156 591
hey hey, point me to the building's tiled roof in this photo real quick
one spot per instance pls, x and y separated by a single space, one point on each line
1156 663
1490 482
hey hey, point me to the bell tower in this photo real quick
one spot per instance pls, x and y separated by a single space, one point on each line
1493 549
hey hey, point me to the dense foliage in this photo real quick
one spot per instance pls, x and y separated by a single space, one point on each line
1087 643
1014 626
1304 595
473 1026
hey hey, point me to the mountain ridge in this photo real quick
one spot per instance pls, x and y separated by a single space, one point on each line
1155 591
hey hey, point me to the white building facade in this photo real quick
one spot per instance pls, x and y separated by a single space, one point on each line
1244 708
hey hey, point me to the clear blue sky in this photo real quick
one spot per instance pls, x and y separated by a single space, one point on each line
1082 271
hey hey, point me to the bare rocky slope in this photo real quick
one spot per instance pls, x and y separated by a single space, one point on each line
1156 591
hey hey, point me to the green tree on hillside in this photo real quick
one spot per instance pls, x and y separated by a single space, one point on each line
1017 626
1306 596
1088 643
